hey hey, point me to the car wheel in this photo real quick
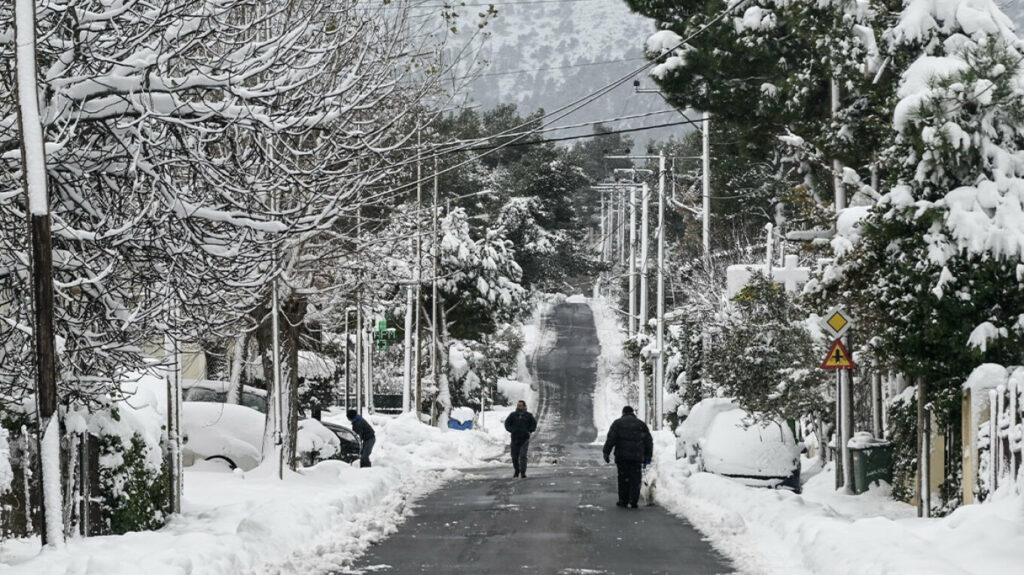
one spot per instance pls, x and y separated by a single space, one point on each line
793 482
231 464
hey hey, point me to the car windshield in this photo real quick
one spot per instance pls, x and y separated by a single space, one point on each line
345 434
250 400
201 394
253 401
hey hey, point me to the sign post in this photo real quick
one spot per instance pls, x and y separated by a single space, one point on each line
837 323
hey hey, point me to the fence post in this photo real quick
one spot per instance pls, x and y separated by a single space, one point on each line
1004 446
1015 412
83 488
923 460
876 403
969 447
993 442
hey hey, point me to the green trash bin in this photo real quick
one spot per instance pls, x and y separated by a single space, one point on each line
872 461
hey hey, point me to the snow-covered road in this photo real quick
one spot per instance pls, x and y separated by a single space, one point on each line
563 518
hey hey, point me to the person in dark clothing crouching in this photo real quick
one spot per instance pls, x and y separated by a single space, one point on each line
520 423
634 447
366 435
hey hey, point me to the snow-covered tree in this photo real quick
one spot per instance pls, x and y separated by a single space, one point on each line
933 269
764 356
200 154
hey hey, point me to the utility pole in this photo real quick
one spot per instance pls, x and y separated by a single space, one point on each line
435 355
644 251
659 366
845 395
622 229
359 315
407 379
657 404
33 169
348 360
706 183
368 378
419 274
632 262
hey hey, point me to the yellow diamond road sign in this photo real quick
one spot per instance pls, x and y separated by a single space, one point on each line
836 321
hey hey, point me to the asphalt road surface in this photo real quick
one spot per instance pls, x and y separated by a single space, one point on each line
562 519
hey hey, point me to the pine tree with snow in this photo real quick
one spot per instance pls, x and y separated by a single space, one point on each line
934 268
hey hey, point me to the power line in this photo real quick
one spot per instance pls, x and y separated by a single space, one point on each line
582 136
483 139
548 68
454 5
565 110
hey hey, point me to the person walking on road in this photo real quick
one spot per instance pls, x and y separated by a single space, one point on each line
366 436
520 423
634 447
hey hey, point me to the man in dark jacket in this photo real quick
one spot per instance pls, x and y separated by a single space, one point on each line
634 447
520 423
366 435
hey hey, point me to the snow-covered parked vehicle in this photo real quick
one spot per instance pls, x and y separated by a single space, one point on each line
226 432
350 442
216 391
233 433
720 437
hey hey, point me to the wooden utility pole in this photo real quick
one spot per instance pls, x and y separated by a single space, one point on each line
33 171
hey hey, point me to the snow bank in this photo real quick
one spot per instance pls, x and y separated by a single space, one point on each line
536 341
824 532
612 391
318 518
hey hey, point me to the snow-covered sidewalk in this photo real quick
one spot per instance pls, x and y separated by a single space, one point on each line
316 519
823 532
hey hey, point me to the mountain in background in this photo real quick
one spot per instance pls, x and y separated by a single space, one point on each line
546 54
549 53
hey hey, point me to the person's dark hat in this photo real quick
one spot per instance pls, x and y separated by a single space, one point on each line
351 414
627 410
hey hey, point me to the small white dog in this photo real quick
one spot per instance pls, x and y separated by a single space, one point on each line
648 484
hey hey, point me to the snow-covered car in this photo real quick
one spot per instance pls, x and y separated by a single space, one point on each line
219 431
216 391
224 432
350 442
720 437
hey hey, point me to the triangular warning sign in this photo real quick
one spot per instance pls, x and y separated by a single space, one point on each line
838 357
